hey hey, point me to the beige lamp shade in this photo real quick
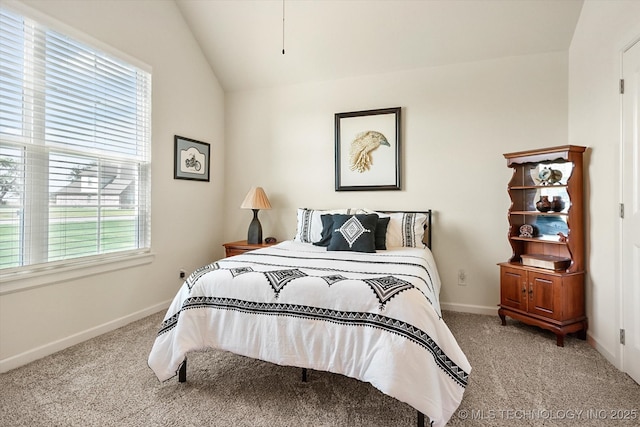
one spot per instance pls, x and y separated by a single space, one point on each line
256 199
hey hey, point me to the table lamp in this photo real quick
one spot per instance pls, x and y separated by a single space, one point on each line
256 199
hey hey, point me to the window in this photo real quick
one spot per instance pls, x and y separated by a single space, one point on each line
75 126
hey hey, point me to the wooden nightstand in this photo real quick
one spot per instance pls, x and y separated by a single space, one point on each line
241 246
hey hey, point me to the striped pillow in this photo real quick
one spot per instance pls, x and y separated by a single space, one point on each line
309 223
405 229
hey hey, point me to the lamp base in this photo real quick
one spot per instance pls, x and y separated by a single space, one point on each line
254 236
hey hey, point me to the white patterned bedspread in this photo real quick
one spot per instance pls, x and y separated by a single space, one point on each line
374 317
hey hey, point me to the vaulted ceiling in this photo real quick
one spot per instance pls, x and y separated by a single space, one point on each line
333 39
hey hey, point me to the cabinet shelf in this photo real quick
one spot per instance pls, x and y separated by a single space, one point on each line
520 266
536 187
554 240
537 213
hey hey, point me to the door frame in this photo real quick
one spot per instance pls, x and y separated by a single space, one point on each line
621 192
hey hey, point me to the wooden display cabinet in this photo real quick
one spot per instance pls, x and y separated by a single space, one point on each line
551 297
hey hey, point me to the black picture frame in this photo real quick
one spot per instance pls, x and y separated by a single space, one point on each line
368 169
191 159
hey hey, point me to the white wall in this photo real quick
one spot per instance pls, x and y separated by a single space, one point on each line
603 31
457 122
186 215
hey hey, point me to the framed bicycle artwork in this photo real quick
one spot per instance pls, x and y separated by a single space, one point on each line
191 159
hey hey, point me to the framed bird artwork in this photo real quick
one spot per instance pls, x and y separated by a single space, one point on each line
367 150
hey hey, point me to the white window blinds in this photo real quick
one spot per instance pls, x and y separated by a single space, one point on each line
75 128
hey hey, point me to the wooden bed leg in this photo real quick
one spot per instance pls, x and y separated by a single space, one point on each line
420 419
304 375
182 372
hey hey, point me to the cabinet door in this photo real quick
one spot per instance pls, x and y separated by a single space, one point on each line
545 295
513 288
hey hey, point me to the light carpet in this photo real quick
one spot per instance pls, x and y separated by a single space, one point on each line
519 378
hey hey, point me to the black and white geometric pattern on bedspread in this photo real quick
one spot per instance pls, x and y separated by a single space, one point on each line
387 287
193 277
384 288
350 318
278 279
429 282
333 278
235 272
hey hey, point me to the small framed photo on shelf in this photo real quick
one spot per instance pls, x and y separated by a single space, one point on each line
191 159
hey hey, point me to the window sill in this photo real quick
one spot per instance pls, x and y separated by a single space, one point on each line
22 279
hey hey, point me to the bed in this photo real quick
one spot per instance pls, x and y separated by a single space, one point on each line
355 292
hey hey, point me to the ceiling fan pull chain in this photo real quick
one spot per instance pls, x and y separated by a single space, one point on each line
283 27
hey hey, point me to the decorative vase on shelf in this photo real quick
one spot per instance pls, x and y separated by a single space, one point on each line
543 205
557 204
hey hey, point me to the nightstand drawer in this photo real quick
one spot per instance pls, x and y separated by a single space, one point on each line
240 247
232 251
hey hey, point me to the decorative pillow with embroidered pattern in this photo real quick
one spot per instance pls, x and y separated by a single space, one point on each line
355 233
327 231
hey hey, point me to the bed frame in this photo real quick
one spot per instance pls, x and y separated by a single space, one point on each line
427 240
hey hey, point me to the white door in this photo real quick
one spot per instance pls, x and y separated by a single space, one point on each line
631 220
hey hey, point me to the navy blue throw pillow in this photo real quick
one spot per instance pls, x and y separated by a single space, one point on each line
327 225
381 233
353 233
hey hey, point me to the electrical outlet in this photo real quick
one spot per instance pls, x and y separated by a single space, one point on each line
462 278
183 274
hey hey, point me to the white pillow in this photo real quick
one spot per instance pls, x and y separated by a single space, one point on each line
309 223
405 229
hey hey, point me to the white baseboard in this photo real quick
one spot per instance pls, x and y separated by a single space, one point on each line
468 308
53 347
612 358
